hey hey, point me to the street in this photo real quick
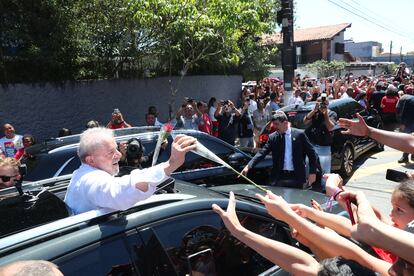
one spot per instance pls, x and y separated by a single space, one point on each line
369 176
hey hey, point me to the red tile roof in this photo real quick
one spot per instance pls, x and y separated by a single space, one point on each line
308 34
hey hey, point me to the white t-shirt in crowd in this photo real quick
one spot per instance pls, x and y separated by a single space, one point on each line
211 112
10 146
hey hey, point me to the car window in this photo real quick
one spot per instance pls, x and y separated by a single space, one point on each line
296 119
113 256
347 109
70 167
187 235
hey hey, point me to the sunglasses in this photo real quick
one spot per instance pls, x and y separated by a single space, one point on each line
6 178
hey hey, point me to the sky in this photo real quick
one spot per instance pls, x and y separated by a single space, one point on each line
393 17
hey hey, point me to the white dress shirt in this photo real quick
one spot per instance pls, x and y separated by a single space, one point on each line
91 188
288 159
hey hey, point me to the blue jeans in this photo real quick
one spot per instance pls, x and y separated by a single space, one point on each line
324 153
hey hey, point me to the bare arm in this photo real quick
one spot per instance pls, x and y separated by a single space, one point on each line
289 258
382 235
218 110
330 242
374 232
339 224
400 141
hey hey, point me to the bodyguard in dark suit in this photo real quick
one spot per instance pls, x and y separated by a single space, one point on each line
289 147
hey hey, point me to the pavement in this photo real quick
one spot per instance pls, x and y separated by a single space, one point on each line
369 176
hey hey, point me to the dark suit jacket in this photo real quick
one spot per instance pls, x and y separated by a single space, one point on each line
301 147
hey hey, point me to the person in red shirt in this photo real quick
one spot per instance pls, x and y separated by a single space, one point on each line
205 125
28 141
389 103
117 120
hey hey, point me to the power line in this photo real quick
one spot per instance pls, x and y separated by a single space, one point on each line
378 17
375 23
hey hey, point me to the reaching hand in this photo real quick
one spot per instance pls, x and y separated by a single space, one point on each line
229 216
244 171
181 145
365 213
276 206
311 178
300 209
358 128
316 205
333 183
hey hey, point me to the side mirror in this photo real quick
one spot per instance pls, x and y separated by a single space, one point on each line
237 160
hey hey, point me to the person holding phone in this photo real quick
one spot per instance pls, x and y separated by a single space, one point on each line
322 121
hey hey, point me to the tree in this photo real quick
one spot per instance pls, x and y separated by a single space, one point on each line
37 41
326 68
190 36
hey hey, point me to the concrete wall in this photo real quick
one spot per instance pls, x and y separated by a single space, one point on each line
42 110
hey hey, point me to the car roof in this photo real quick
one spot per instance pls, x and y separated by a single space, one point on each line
53 143
142 135
182 191
333 104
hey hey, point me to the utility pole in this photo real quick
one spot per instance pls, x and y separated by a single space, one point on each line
285 18
389 59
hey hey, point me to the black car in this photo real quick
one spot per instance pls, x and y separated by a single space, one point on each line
54 160
171 233
345 148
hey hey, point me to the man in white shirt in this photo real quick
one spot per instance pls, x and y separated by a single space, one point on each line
289 147
94 185
295 98
11 142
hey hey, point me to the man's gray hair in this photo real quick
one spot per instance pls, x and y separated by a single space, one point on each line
30 268
91 139
279 116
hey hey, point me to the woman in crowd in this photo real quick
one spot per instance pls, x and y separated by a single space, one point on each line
212 106
261 117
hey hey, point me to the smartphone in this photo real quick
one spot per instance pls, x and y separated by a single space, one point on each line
396 176
350 213
201 263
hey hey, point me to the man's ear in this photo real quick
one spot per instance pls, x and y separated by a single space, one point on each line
89 160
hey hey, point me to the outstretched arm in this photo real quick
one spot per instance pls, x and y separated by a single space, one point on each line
330 242
400 141
289 258
374 232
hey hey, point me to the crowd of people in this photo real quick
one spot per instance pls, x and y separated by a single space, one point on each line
94 185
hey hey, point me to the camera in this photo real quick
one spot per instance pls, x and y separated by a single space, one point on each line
189 100
224 102
134 149
323 103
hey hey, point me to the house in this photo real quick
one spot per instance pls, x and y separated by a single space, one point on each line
312 44
363 51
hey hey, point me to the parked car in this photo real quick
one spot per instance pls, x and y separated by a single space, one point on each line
345 148
168 234
53 160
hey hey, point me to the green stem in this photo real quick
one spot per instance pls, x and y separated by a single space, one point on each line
250 181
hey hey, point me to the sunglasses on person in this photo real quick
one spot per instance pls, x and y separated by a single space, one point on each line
6 178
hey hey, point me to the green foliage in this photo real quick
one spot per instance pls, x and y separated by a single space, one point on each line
56 40
194 35
326 68
37 41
